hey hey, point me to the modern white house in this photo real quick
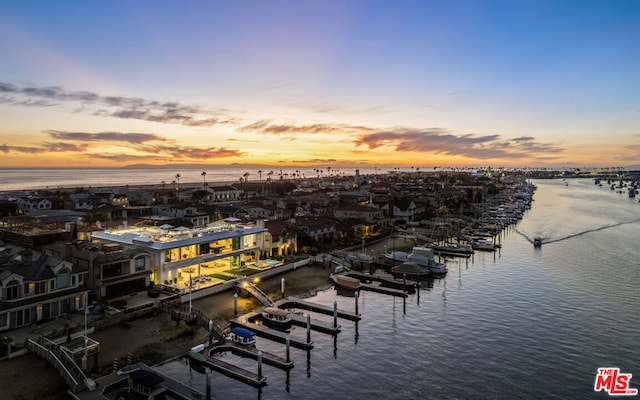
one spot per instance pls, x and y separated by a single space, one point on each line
176 254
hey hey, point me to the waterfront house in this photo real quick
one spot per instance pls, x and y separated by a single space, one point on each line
114 269
321 229
36 287
280 239
174 254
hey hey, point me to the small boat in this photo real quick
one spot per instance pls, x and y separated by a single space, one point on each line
537 242
277 317
243 336
454 250
423 257
347 282
395 257
484 245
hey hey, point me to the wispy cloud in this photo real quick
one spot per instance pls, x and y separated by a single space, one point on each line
136 147
6 149
265 126
106 136
442 141
114 106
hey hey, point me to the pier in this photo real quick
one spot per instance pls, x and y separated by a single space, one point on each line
252 352
269 333
232 371
401 285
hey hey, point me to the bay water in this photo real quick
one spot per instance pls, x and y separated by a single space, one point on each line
521 323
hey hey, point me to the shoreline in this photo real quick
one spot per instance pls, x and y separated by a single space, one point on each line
153 340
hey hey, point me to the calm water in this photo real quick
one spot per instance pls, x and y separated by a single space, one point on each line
53 178
522 323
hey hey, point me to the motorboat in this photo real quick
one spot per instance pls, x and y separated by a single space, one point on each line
423 257
277 317
347 282
454 250
242 336
395 257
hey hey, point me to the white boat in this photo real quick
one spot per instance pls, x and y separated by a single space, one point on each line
484 245
455 250
423 257
395 257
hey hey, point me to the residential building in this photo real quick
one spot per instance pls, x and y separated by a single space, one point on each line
176 253
320 229
36 287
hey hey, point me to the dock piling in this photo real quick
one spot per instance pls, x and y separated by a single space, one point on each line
235 304
282 287
356 297
335 314
404 305
308 328
208 378
259 365
287 341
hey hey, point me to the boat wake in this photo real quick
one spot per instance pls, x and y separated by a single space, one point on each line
554 240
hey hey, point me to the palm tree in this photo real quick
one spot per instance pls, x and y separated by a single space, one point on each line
204 183
163 183
178 180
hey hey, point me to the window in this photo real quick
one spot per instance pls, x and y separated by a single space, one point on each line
140 264
41 287
12 291
63 278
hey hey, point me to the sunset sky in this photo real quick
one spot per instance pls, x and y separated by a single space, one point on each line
305 82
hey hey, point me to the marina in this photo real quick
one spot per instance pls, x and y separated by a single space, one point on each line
490 328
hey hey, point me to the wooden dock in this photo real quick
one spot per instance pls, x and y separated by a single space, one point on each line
307 305
269 333
251 352
407 285
383 290
235 372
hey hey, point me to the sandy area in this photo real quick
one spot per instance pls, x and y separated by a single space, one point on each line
151 340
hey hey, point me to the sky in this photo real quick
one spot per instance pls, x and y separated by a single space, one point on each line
314 83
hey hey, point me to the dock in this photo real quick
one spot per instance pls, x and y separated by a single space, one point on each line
251 352
235 372
379 289
269 333
309 306
406 285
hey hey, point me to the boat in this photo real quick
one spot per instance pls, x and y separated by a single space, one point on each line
484 245
454 250
277 317
243 336
537 242
410 269
347 282
395 257
423 257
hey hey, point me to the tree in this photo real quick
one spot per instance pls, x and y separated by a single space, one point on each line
204 174
178 180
